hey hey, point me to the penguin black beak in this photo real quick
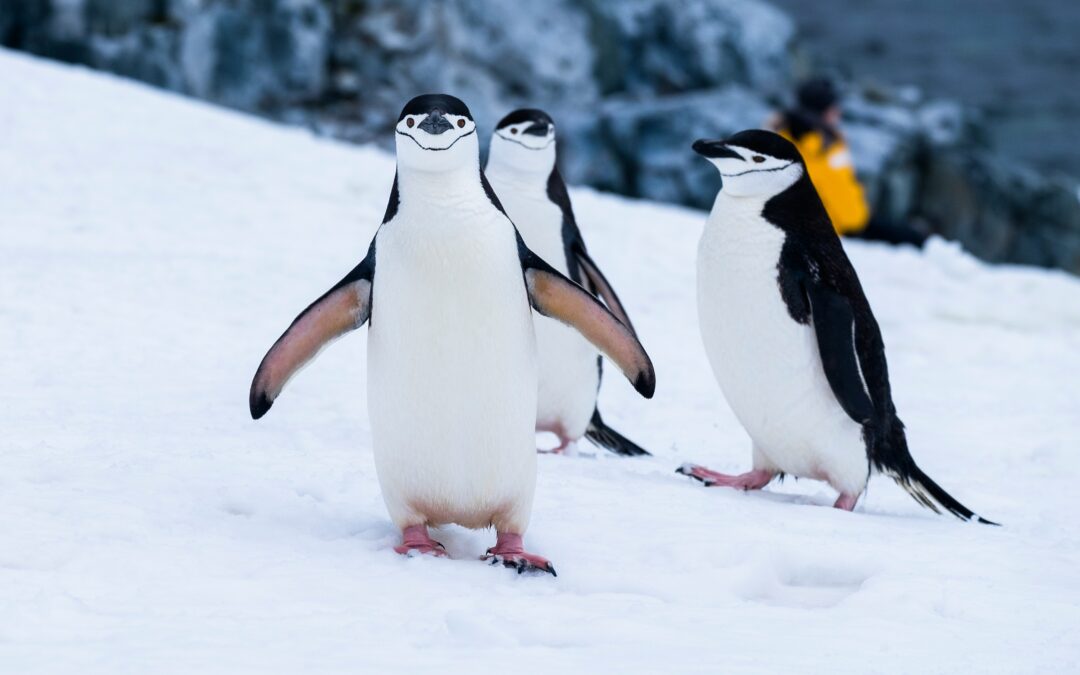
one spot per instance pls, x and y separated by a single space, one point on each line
435 123
537 129
714 149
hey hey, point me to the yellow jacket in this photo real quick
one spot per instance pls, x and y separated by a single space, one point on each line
833 175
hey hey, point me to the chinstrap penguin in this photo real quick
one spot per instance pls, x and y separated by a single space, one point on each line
523 171
448 286
790 335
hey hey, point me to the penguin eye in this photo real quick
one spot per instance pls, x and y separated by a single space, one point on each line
410 123
758 159
513 130
461 124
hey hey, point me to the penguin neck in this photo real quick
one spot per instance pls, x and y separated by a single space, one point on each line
728 205
524 178
736 227
441 189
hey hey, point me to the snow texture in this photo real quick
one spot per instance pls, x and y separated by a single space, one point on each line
152 250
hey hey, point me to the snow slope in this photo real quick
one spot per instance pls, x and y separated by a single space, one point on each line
152 248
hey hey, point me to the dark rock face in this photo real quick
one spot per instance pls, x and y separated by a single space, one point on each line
631 83
256 55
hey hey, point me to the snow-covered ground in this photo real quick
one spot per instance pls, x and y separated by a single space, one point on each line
152 248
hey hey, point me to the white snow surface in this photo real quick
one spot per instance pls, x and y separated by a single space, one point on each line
153 248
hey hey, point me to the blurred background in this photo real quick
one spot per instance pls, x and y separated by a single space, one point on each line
959 114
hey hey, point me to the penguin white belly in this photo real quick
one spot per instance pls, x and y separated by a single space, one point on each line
452 372
569 375
766 363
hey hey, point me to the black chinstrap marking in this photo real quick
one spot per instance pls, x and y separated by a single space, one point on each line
514 140
736 175
402 133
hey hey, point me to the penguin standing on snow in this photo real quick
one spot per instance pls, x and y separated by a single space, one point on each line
447 284
522 169
790 334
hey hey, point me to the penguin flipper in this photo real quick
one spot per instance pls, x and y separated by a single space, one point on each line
834 325
599 282
343 308
837 330
555 296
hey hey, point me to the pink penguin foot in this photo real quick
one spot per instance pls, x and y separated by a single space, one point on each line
559 449
846 502
751 480
509 551
564 442
416 538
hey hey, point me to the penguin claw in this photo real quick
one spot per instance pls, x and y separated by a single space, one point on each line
436 549
522 563
509 552
688 469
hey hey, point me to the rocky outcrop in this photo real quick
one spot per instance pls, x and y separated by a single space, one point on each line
346 67
930 161
632 83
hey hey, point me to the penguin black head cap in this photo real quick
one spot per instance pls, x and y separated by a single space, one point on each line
754 140
754 163
539 121
425 104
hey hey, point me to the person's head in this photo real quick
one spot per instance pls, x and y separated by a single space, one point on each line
753 163
819 98
524 141
436 132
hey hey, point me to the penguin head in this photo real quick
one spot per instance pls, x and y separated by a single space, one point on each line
436 132
754 163
524 141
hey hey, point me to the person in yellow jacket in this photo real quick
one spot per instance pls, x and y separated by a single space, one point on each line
813 126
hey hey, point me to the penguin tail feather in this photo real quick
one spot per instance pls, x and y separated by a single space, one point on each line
604 436
922 488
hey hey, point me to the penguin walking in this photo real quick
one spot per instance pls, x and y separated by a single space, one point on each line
447 285
522 168
790 334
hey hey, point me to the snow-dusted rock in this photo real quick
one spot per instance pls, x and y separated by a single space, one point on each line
642 147
656 47
930 160
631 84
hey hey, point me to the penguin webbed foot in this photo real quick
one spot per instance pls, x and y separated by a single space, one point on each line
509 551
751 480
846 502
521 564
563 448
417 541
